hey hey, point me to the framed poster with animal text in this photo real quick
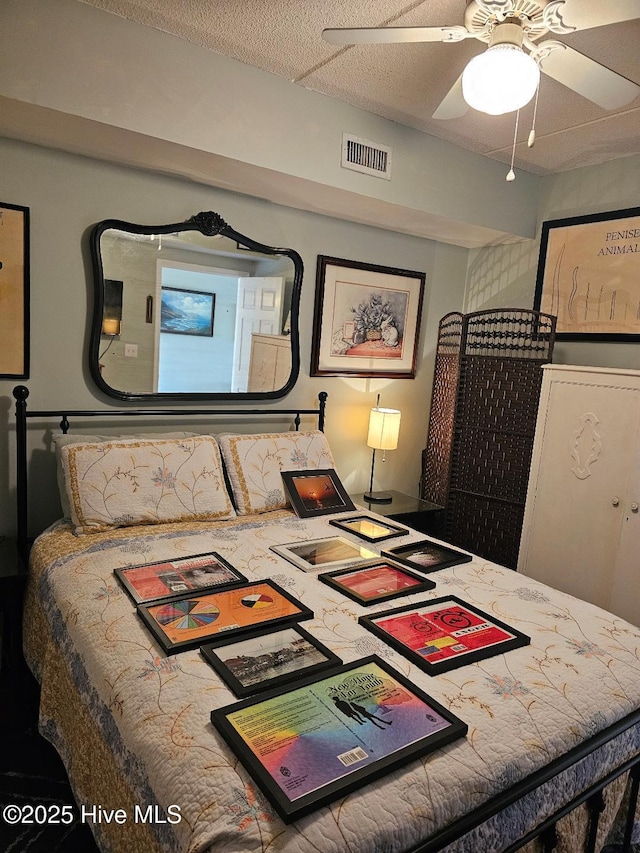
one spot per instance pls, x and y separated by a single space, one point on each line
589 276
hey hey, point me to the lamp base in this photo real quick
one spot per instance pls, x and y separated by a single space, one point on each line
378 497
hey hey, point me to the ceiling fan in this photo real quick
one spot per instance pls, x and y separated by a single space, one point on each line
505 77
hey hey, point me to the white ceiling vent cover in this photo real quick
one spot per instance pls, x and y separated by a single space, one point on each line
362 155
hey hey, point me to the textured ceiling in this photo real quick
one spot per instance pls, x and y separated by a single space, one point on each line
405 83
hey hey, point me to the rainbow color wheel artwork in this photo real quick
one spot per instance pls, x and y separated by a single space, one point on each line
184 615
257 600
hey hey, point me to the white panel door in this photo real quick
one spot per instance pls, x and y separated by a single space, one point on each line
259 309
580 476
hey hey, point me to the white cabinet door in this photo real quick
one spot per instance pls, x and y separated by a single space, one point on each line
581 472
625 589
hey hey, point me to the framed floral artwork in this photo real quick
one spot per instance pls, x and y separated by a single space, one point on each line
366 319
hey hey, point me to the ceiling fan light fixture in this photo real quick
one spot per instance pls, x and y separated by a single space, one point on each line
502 79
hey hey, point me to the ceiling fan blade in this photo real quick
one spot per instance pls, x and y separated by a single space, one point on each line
566 16
453 105
585 76
394 35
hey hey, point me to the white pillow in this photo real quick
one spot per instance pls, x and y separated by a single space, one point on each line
141 481
254 463
63 439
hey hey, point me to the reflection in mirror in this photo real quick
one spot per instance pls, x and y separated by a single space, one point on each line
193 310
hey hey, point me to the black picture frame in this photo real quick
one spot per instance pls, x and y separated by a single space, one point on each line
587 276
366 319
434 555
346 580
232 612
15 288
313 492
178 576
308 772
178 314
442 631
284 650
357 525
326 552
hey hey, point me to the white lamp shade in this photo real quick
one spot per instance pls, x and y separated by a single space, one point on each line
384 428
502 79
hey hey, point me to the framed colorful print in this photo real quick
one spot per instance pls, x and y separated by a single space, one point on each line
316 492
188 622
169 578
369 528
366 319
426 555
443 633
379 580
14 287
588 276
333 552
330 734
187 312
268 659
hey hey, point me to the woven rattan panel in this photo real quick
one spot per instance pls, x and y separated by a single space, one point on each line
485 526
437 461
481 425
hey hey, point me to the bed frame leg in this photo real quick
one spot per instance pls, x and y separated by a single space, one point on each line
631 814
549 839
595 804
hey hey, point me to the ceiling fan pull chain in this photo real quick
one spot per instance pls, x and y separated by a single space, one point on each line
532 132
511 175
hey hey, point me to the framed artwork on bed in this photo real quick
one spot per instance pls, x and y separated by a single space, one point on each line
378 580
366 319
188 622
443 633
331 552
330 734
316 492
427 555
369 528
267 659
169 578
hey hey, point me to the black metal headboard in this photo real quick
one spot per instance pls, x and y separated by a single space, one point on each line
21 393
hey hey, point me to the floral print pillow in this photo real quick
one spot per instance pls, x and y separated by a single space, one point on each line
132 481
254 463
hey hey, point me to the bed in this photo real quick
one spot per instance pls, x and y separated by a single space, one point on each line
551 756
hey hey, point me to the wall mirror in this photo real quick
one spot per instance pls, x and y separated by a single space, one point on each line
192 311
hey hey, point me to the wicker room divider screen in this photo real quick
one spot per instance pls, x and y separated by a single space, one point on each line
484 404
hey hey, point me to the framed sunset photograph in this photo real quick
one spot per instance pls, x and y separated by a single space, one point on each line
316 492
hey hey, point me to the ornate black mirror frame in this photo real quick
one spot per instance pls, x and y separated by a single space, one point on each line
209 224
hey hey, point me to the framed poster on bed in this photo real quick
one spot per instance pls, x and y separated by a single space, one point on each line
444 633
268 659
168 578
316 492
331 552
185 623
378 580
426 555
328 735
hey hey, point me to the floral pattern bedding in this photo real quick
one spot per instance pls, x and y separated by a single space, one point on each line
110 692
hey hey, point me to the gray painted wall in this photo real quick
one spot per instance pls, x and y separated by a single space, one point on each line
68 194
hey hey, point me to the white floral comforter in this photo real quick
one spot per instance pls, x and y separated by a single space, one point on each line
580 674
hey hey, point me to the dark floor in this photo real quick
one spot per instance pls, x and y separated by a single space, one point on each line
32 775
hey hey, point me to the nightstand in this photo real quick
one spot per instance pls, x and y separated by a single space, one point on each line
13 576
422 516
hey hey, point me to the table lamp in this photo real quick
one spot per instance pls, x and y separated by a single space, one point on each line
384 427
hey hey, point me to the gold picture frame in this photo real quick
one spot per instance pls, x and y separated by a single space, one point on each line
14 291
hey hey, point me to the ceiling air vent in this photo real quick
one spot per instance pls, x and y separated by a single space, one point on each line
361 155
